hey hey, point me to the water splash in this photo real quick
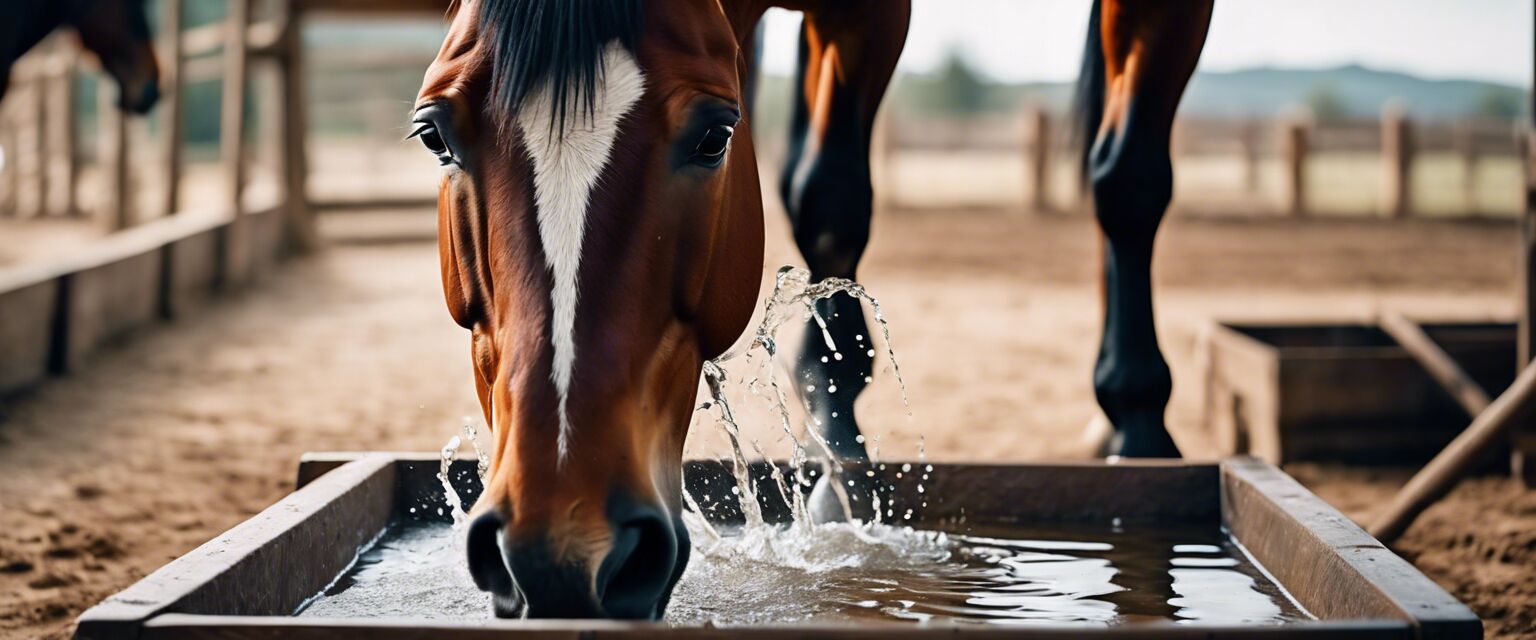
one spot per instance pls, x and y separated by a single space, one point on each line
802 544
445 465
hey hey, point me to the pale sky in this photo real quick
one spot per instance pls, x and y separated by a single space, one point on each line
1040 40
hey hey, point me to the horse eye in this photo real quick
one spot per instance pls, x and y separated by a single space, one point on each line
711 149
432 139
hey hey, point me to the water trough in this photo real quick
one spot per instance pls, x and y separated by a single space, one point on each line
250 581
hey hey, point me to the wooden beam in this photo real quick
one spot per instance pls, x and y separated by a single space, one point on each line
1397 161
237 245
1440 365
172 110
113 140
1441 474
65 163
1523 460
302 232
1293 152
1038 122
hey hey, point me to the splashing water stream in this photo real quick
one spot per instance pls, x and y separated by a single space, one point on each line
761 572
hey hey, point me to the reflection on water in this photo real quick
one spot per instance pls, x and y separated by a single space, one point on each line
1000 575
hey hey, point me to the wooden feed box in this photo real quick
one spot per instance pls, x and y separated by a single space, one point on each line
248 582
1342 392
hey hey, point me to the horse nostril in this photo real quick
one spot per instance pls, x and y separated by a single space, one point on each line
483 549
637 575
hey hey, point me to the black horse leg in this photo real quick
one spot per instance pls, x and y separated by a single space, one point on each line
1150 51
848 51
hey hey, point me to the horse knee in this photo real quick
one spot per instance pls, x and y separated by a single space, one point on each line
1132 186
830 212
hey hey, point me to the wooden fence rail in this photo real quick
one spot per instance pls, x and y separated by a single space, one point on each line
1295 141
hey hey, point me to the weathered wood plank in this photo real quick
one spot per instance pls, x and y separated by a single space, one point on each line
1328 563
266 566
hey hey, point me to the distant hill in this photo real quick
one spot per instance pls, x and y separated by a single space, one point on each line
1347 91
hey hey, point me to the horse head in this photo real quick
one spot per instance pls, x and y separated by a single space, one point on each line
117 32
600 232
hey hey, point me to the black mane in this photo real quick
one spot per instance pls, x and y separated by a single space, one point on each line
555 41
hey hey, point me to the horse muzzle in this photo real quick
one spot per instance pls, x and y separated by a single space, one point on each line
633 580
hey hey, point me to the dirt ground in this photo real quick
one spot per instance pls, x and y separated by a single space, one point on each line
189 429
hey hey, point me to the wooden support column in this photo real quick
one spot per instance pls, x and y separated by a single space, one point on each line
112 157
881 160
303 235
172 109
1250 151
1397 161
40 127
1464 136
10 180
1523 462
1038 123
63 163
1293 152
236 255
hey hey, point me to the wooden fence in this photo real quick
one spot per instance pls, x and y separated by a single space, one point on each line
159 263
1044 146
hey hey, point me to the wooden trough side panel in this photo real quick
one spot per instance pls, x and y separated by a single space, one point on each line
106 302
1091 492
27 319
191 269
1330 565
189 627
251 569
1240 403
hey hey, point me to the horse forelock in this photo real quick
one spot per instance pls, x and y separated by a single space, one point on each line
556 46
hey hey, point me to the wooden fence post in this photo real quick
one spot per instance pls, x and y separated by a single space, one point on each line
880 149
1464 136
1523 462
1397 161
10 180
236 255
1293 149
1250 150
112 135
303 235
40 126
171 107
1038 150
63 165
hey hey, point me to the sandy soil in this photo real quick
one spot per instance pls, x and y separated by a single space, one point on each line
175 437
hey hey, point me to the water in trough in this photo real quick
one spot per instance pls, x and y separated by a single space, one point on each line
758 572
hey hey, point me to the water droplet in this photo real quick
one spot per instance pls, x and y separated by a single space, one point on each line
838 355
832 388
824 358
870 353
906 467
859 337
859 438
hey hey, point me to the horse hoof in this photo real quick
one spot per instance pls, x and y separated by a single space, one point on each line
1098 440
824 503
1146 445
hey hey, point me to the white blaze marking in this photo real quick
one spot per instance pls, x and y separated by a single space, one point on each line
566 166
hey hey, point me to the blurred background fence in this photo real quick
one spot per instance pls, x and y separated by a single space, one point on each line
1347 142
1391 166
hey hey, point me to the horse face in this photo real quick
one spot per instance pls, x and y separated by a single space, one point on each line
598 258
117 31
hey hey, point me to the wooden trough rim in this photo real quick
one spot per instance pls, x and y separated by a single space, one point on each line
1356 587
